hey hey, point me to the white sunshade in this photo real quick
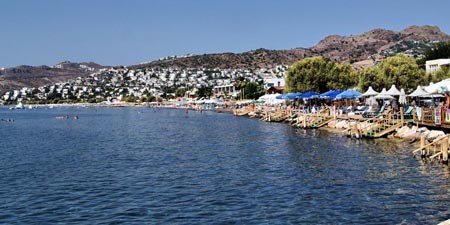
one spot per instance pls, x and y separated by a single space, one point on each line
420 91
370 92
438 87
383 95
271 99
393 91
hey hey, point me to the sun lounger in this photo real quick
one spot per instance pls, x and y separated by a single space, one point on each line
408 113
374 114
361 109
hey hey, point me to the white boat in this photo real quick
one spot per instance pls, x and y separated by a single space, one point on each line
20 106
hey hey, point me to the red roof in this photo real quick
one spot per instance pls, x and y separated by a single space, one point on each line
279 88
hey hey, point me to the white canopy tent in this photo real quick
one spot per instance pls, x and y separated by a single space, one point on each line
383 95
393 91
271 99
439 87
370 92
420 91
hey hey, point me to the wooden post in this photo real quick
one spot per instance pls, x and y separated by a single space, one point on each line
434 149
402 118
304 120
422 146
334 115
445 151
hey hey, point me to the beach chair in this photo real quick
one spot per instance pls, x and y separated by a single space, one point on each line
374 114
408 113
361 109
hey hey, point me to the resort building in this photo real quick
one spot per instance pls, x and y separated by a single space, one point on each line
224 90
434 65
273 82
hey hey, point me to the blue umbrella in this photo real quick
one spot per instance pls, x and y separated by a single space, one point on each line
293 95
330 94
283 96
288 96
350 93
309 94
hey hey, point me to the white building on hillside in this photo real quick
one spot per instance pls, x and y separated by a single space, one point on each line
434 65
274 82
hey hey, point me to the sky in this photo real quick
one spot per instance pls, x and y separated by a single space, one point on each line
126 32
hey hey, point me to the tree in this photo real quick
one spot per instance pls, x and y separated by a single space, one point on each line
180 92
320 75
439 75
342 77
400 70
204 92
253 90
439 51
368 77
240 82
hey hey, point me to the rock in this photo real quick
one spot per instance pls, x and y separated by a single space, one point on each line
408 132
432 135
401 131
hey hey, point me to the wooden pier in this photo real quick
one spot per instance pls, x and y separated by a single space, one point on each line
436 149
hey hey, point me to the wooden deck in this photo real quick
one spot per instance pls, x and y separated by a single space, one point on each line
428 118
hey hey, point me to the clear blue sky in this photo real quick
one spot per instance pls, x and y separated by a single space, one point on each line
112 32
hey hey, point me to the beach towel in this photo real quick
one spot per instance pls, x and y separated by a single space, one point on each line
419 113
447 115
437 116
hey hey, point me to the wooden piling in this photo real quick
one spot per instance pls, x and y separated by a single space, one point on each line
444 150
422 146
402 117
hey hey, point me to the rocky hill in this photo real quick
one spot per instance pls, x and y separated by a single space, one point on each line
359 50
35 76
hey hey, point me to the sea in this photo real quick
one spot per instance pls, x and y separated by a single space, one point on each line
137 165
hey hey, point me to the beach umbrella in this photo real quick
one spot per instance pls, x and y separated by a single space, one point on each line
393 91
402 98
383 95
309 94
330 94
439 87
293 95
348 94
370 92
418 92
282 96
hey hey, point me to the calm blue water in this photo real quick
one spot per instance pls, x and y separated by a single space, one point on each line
145 166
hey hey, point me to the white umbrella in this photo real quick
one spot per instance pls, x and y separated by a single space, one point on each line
418 92
370 92
383 95
439 87
393 91
402 98
431 95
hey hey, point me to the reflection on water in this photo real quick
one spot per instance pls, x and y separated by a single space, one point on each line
139 165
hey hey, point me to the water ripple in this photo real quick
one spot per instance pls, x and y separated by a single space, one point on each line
145 166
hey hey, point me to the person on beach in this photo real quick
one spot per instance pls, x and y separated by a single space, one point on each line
447 101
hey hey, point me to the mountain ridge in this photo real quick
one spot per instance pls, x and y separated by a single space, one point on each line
360 50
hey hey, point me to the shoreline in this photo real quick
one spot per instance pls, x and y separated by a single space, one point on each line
427 144
344 125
